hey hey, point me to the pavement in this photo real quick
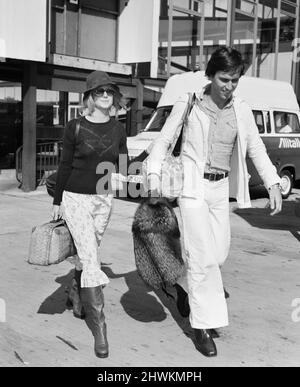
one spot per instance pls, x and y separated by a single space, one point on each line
144 327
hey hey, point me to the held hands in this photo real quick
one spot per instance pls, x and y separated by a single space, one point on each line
56 212
275 199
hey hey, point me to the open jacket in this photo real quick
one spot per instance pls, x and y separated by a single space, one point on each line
194 150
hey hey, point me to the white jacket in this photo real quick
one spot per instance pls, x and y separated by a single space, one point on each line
194 150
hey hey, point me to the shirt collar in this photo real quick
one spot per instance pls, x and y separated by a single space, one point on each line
206 90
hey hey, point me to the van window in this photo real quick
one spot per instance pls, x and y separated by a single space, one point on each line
259 119
159 119
286 122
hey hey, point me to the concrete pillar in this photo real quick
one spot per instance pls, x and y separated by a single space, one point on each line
29 127
137 109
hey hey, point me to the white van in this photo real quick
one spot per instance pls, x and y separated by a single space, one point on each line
275 109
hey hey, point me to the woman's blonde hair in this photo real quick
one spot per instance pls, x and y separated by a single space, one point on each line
89 103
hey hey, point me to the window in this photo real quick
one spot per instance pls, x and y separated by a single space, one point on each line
55 115
259 119
74 112
76 27
286 122
186 39
159 119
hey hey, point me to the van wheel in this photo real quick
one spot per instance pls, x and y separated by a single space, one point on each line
287 183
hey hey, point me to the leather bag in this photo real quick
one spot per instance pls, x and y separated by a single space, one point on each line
50 243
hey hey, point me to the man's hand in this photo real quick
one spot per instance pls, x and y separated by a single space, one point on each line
154 185
275 199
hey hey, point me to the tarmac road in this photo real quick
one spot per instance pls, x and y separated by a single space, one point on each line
144 327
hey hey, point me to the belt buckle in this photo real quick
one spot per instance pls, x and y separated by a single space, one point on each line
212 177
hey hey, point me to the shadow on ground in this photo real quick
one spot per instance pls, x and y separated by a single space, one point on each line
56 302
286 220
137 301
142 306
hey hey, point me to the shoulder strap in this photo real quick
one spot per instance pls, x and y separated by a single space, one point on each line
177 143
190 105
77 128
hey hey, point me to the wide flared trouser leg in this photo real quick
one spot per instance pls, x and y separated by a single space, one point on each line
87 217
220 225
102 210
182 281
205 226
93 303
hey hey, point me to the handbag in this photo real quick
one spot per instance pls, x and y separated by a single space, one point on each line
50 243
172 168
51 179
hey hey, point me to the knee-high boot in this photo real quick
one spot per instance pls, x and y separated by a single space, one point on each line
93 303
74 296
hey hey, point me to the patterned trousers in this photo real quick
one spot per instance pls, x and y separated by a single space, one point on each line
87 217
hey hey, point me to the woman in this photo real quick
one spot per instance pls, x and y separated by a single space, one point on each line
220 131
92 145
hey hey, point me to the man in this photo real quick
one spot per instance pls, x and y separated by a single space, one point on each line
282 125
221 130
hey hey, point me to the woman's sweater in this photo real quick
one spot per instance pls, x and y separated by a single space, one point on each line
90 156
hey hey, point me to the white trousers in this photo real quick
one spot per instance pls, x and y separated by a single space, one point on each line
206 241
87 217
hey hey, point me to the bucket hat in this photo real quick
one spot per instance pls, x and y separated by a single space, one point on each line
99 78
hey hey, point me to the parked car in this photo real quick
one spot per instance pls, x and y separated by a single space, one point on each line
275 109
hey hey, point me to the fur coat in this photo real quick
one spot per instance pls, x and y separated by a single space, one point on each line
157 248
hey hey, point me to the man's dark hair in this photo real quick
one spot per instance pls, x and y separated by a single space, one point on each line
225 59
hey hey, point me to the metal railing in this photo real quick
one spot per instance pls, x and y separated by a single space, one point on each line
48 156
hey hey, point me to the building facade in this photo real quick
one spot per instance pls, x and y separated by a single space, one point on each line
47 48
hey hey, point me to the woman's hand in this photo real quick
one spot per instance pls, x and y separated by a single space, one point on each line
275 199
56 212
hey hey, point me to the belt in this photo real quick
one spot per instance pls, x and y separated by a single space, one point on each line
215 176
